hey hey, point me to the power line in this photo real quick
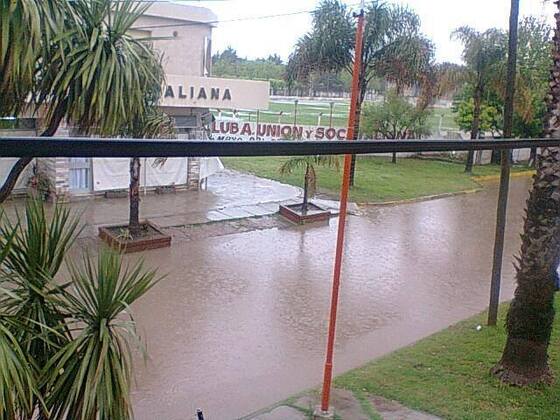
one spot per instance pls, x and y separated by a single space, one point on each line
214 22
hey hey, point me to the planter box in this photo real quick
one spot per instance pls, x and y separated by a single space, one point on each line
314 213
116 194
150 238
166 189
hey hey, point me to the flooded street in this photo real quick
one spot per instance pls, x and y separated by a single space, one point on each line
240 322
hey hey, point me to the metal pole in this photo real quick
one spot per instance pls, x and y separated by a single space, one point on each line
505 155
331 116
257 126
327 377
295 112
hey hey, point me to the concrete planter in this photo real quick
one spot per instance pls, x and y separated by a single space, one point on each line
151 238
314 213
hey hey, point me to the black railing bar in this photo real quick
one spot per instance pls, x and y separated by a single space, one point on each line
120 147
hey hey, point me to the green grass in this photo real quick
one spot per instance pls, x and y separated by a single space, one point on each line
377 179
308 114
447 374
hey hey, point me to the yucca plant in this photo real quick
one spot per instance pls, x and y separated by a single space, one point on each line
89 377
17 377
34 258
308 163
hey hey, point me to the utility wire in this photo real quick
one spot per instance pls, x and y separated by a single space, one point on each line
240 19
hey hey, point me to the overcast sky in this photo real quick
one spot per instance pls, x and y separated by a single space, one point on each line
261 37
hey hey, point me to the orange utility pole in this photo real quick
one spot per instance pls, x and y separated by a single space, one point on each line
327 379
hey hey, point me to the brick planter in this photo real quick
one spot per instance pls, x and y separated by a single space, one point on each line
151 238
314 213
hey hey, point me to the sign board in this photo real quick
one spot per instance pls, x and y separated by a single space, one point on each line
248 131
213 92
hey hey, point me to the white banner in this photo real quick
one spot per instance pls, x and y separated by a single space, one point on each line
249 131
114 173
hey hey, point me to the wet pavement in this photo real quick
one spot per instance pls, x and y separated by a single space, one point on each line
240 321
230 195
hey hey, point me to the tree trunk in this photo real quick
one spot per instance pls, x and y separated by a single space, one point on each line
362 95
531 313
304 205
533 157
134 195
22 163
475 127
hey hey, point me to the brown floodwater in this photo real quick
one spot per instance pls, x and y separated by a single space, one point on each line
240 322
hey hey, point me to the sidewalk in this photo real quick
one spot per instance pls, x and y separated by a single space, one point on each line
346 405
230 195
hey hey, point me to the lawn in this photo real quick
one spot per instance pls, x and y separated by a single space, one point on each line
377 179
447 374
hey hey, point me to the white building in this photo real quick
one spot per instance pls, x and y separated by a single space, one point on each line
183 33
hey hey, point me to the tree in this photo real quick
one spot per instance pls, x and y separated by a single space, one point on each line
439 80
93 72
532 79
531 313
483 54
395 119
26 26
229 64
490 118
154 124
394 48
310 178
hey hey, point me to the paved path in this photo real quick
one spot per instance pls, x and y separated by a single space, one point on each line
231 195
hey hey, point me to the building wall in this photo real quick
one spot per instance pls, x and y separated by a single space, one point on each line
184 47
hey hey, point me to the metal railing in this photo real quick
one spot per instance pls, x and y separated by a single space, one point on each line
121 147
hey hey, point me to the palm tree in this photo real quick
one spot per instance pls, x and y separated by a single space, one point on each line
483 53
93 72
154 124
310 177
394 47
531 313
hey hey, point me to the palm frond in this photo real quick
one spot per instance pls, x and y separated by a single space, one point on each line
90 376
34 258
17 379
97 74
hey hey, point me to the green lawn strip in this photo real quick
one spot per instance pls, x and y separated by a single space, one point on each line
447 374
377 179
367 407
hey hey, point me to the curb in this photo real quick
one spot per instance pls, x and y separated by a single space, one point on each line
420 199
497 177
